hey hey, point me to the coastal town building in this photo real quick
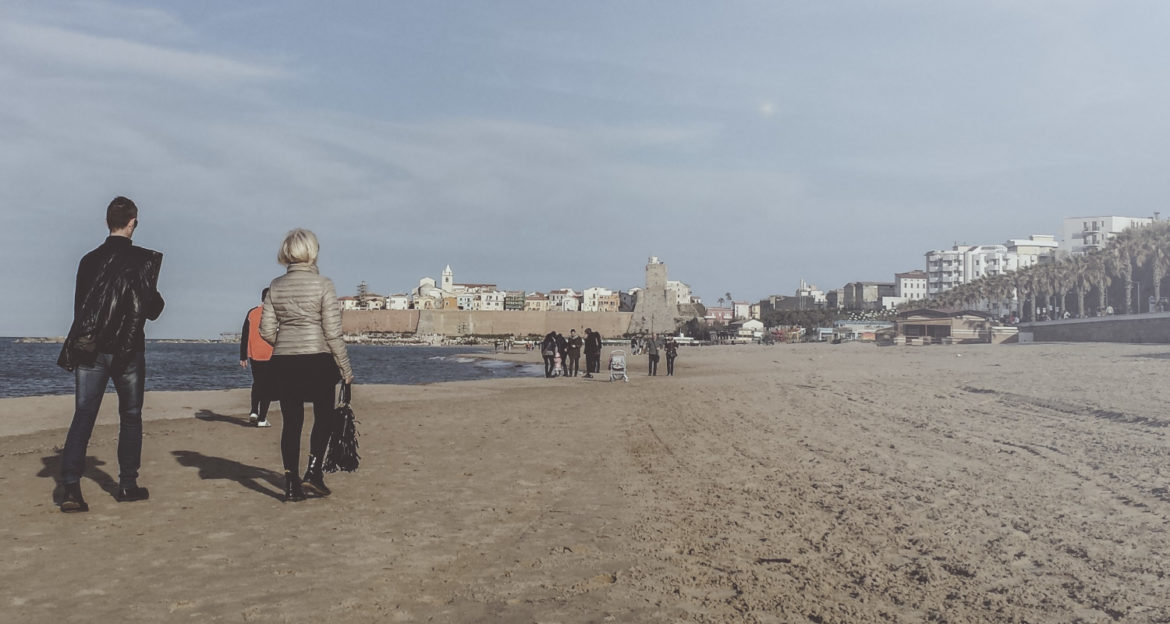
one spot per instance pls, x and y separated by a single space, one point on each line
627 299
948 268
866 295
1085 234
398 302
720 315
514 300
536 302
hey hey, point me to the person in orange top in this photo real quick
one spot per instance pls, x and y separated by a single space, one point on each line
253 348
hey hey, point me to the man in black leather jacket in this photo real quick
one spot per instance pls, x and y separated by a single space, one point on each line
116 294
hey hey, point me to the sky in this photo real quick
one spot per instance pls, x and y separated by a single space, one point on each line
542 145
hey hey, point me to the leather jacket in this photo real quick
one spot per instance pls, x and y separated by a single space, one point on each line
115 296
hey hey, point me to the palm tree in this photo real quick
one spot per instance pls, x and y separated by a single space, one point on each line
1121 260
1151 249
1097 275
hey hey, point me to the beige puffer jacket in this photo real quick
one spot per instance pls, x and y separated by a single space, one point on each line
302 316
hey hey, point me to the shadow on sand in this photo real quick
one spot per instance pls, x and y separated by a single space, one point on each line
51 469
252 477
1153 356
211 416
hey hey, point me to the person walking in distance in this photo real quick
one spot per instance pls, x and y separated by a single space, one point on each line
548 351
254 350
116 293
652 346
302 320
592 352
671 348
573 347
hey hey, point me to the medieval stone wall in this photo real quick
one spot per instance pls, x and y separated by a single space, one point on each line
483 323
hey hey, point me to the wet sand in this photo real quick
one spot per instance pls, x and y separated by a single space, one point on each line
791 483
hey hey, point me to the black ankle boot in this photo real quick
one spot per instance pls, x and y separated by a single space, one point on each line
292 488
314 480
72 501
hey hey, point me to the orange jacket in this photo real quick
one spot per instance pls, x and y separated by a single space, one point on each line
251 344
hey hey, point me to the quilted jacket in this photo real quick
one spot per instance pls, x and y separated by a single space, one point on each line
302 316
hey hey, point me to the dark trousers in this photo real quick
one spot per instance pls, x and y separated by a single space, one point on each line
549 363
592 363
261 387
91 387
574 364
565 363
293 414
670 364
654 364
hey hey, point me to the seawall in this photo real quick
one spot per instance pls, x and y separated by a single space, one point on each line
1149 328
483 323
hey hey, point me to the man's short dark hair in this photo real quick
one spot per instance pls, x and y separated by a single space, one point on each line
120 212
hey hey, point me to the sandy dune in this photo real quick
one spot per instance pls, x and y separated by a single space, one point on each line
803 483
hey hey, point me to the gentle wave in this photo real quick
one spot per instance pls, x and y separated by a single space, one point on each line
31 369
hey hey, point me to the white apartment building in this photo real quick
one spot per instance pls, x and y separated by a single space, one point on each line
592 297
563 299
946 269
491 300
682 291
466 301
398 302
1085 234
910 286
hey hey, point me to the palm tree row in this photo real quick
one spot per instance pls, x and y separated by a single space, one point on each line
1136 258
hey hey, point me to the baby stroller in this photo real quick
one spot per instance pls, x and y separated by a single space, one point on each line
617 365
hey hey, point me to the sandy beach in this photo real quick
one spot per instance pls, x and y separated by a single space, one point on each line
790 483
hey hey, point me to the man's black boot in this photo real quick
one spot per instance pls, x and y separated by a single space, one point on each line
73 502
130 493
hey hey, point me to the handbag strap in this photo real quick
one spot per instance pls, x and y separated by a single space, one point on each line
343 396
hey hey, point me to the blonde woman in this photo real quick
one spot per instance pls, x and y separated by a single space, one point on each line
302 320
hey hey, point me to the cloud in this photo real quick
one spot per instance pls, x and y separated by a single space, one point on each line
72 51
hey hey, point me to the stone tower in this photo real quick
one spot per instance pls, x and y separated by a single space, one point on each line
656 309
448 281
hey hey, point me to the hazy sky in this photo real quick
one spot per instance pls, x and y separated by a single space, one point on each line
542 145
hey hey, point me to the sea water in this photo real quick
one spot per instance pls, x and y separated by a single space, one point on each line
30 369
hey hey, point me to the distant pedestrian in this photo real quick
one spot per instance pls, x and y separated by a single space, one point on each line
652 346
671 348
592 352
563 354
302 320
548 350
116 293
573 344
256 351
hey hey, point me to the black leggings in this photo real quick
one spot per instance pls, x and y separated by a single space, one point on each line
293 413
305 379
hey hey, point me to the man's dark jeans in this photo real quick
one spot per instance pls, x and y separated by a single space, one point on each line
91 387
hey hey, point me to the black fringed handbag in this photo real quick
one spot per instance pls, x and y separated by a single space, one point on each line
342 452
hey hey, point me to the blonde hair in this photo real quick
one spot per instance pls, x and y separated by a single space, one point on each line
299 246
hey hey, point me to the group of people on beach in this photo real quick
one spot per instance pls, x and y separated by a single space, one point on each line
293 341
562 356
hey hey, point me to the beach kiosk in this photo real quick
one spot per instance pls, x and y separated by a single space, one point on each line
927 326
